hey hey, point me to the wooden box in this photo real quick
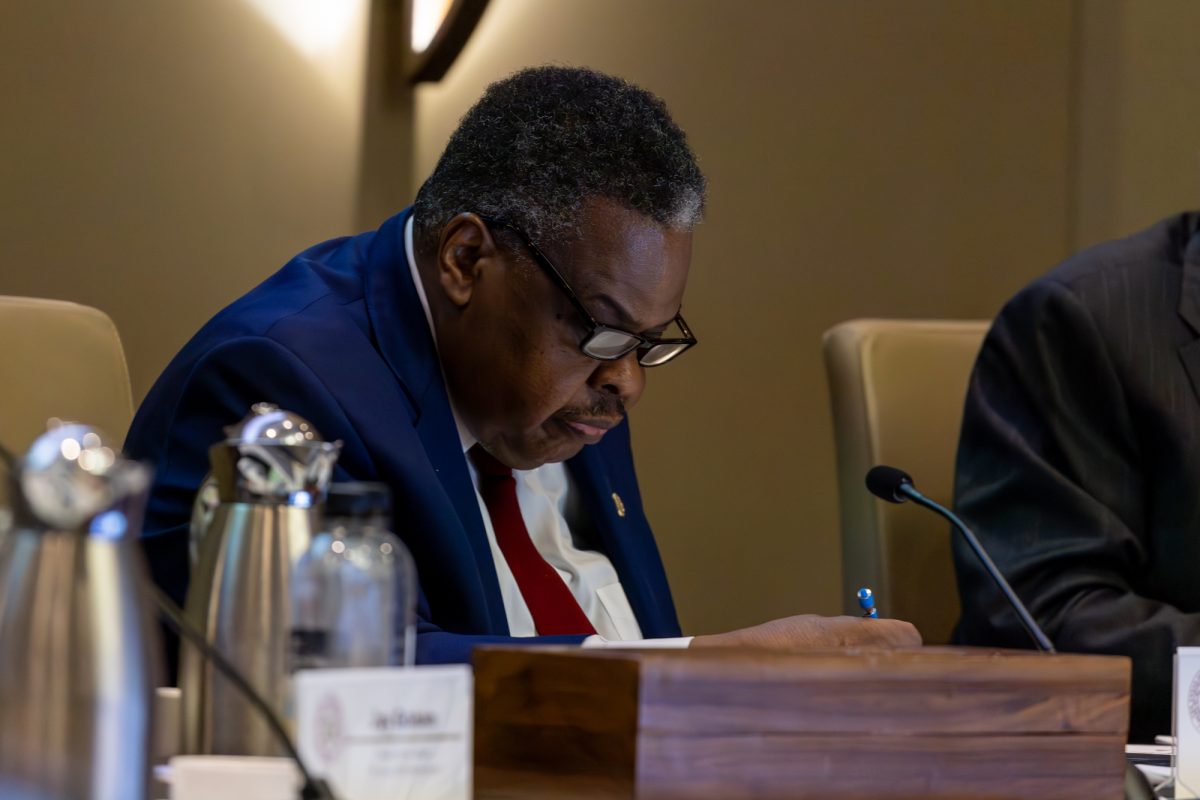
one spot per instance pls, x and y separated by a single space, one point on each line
928 723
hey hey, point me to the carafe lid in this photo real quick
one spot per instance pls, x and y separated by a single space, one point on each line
72 475
273 456
267 423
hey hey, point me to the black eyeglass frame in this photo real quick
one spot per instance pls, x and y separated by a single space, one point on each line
596 328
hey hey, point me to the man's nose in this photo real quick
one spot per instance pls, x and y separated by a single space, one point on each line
624 377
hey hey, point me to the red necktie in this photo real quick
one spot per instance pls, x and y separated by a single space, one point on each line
554 608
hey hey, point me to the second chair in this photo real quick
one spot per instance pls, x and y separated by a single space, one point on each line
897 389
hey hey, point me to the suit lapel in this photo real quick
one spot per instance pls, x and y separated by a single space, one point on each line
1189 308
397 319
406 343
1189 354
439 434
618 535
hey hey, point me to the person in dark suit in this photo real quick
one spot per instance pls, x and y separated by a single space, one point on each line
464 353
1079 461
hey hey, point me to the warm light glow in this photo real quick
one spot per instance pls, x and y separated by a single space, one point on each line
330 34
427 17
316 27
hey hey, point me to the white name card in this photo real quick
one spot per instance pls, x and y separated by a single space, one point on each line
1186 714
388 733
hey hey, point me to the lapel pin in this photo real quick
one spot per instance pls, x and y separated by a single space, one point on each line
620 505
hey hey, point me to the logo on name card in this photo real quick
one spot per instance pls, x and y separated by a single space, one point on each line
329 728
1193 701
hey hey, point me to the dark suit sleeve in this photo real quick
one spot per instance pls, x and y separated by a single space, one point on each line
218 392
436 646
1048 475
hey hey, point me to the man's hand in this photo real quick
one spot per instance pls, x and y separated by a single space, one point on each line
811 632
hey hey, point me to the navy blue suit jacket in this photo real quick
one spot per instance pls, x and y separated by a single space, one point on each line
338 336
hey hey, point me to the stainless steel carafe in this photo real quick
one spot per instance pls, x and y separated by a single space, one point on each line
271 474
79 651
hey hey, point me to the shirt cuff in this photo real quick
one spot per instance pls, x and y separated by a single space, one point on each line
679 642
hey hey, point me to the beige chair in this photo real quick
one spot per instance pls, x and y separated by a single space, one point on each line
62 360
897 390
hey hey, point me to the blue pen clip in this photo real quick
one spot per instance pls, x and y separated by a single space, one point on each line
866 601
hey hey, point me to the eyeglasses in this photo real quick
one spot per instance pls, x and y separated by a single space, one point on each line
601 341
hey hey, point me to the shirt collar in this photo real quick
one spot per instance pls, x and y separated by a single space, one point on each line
464 436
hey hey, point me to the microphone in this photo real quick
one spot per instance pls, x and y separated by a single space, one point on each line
896 486
884 482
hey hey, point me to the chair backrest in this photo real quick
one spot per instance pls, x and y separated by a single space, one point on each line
59 359
897 389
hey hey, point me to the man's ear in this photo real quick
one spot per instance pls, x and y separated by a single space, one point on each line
464 247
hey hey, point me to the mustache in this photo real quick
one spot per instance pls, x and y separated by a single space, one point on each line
603 408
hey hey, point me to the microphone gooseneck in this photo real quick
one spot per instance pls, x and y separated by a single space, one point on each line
896 486
314 788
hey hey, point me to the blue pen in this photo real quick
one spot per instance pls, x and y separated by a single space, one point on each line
866 601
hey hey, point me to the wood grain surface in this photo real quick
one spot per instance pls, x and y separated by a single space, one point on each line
927 723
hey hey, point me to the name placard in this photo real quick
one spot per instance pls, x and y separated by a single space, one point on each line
1186 712
388 732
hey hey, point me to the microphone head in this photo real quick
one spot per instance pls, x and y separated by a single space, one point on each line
884 482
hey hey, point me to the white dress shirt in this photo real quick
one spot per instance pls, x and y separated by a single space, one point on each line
547 499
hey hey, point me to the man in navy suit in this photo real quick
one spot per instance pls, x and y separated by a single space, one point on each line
478 353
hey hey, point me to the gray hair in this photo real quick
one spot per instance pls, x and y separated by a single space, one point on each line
544 140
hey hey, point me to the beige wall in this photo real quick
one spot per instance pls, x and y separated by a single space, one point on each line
903 159
915 158
1137 115
158 159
